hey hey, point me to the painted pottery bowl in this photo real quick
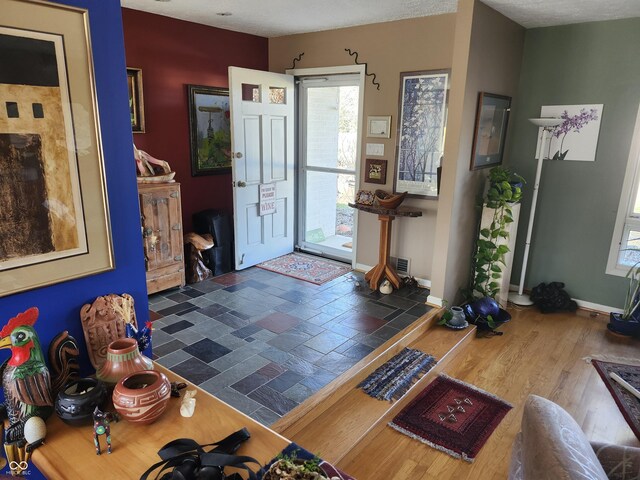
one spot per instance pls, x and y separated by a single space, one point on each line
142 396
75 403
123 358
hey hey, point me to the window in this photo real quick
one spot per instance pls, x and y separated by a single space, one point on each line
626 234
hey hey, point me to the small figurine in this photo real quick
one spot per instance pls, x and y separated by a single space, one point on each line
176 387
101 422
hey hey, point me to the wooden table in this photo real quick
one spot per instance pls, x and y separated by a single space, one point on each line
69 451
384 268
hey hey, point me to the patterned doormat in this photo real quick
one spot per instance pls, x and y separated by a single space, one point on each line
452 416
628 404
394 378
307 268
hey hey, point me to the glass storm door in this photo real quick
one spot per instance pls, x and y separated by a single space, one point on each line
329 109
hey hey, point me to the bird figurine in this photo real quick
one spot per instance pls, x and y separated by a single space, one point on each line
25 377
142 336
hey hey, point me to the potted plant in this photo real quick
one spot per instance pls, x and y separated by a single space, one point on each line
628 322
505 190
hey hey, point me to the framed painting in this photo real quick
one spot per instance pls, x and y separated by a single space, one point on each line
375 171
492 118
136 99
210 129
576 138
422 115
54 220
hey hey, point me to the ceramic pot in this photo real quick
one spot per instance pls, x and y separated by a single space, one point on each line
629 328
75 403
123 358
458 319
142 396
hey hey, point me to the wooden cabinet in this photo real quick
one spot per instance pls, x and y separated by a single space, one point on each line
161 217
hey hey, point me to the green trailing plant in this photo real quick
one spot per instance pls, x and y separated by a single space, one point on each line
504 191
446 315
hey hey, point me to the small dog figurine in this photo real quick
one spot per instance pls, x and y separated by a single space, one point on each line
101 422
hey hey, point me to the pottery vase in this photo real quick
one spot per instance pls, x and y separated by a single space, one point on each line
123 358
142 396
458 318
77 400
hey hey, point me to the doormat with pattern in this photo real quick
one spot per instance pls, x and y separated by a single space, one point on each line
452 416
307 268
628 404
393 379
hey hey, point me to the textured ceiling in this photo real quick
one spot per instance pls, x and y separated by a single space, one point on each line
273 18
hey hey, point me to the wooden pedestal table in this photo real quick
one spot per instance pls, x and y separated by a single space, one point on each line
383 269
68 451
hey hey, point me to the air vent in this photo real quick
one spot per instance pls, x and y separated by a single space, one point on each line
402 265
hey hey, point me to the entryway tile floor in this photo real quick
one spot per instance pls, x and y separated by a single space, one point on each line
264 342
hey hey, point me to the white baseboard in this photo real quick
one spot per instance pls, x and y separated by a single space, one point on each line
422 282
435 301
583 303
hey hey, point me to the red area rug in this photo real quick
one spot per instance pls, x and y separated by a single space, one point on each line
452 416
628 404
307 268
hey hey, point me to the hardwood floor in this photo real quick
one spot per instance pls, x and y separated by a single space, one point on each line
539 354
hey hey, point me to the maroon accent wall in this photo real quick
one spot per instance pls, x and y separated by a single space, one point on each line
172 54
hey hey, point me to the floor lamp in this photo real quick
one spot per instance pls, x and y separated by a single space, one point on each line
548 125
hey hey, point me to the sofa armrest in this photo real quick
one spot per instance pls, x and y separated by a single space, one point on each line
618 461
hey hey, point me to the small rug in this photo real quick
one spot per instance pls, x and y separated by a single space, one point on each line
628 404
394 378
452 416
303 267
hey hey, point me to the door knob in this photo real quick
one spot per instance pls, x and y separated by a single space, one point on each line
238 154
242 184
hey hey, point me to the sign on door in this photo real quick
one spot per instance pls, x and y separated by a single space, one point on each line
267 198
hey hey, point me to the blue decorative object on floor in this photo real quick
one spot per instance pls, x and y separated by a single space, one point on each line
394 378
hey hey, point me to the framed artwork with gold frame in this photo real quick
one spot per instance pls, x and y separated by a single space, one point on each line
136 99
54 220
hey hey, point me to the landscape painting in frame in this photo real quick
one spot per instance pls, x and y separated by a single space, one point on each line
421 129
210 125
576 138
54 216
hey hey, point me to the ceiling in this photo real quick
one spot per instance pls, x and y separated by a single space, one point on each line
273 18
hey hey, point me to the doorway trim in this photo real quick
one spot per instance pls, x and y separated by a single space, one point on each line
338 70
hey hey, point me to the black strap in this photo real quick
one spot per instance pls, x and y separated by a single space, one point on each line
174 453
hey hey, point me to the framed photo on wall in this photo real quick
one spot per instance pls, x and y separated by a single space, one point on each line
136 100
492 118
379 126
210 130
54 219
421 129
375 171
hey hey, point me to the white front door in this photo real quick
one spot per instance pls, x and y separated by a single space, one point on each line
262 142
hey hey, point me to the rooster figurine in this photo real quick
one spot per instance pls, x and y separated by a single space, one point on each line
25 380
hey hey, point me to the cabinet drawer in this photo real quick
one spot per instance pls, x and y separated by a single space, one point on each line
157 283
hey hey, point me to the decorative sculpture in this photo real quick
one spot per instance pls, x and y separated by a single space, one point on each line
101 426
63 359
25 380
103 322
146 171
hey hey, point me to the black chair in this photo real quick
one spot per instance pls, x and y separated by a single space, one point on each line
218 259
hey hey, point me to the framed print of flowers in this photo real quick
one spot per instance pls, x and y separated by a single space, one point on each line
576 138
421 127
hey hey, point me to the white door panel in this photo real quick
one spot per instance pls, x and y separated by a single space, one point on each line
262 136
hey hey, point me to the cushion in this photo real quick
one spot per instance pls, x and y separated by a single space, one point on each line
553 445
620 462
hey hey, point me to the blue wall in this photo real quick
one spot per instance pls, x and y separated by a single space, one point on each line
60 304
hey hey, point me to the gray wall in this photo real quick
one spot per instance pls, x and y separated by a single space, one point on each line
569 65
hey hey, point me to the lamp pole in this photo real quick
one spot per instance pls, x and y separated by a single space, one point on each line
547 124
